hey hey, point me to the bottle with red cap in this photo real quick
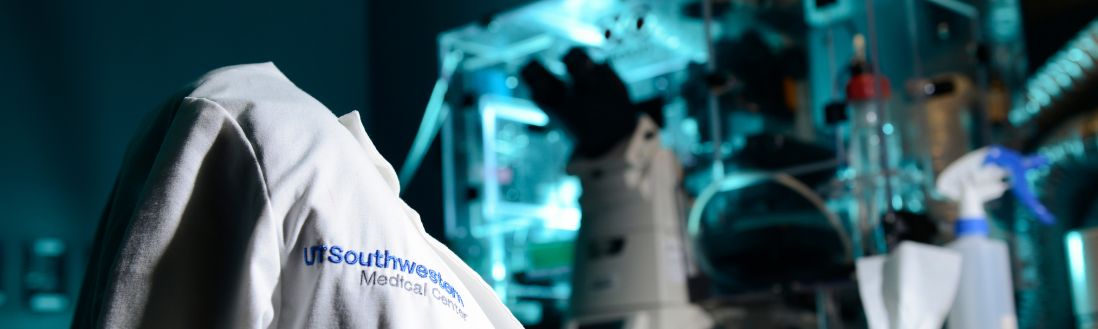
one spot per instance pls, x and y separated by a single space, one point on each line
873 149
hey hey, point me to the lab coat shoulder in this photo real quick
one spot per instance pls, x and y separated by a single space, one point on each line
345 250
178 228
247 204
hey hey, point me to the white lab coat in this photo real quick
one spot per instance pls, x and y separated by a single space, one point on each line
246 204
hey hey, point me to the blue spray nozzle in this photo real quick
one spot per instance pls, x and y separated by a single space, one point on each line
1017 165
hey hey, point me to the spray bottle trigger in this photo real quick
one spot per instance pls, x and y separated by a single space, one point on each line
1017 166
1035 162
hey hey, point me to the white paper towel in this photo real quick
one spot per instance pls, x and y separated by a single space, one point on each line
911 288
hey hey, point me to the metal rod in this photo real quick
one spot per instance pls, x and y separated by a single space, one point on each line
871 26
714 106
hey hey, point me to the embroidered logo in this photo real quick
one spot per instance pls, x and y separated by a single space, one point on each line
443 292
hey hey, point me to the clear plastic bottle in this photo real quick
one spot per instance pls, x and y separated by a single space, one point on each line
985 294
873 152
871 170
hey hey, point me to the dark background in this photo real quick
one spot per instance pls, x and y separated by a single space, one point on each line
77 77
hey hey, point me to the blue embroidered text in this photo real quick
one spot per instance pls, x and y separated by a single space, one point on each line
380 259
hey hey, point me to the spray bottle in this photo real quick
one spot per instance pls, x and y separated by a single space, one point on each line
985 296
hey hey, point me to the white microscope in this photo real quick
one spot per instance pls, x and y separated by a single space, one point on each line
631 265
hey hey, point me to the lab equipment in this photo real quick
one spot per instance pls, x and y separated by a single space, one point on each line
1065 186
1044 285
1082 246
631 265
1059 88
511 209
910 288
948 104
873 159
1054 113
742 83
742 180
985 298
44 276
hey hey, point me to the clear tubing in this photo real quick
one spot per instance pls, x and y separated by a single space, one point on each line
739 180
433 116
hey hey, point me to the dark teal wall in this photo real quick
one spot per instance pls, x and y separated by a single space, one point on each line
76 78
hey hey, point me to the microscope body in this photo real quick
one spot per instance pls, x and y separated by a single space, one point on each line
631 262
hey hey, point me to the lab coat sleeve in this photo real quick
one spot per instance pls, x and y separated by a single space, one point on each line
199 250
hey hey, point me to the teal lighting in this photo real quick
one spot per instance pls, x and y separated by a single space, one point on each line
1076 256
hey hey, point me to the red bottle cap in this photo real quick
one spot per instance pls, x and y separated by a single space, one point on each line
861 87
